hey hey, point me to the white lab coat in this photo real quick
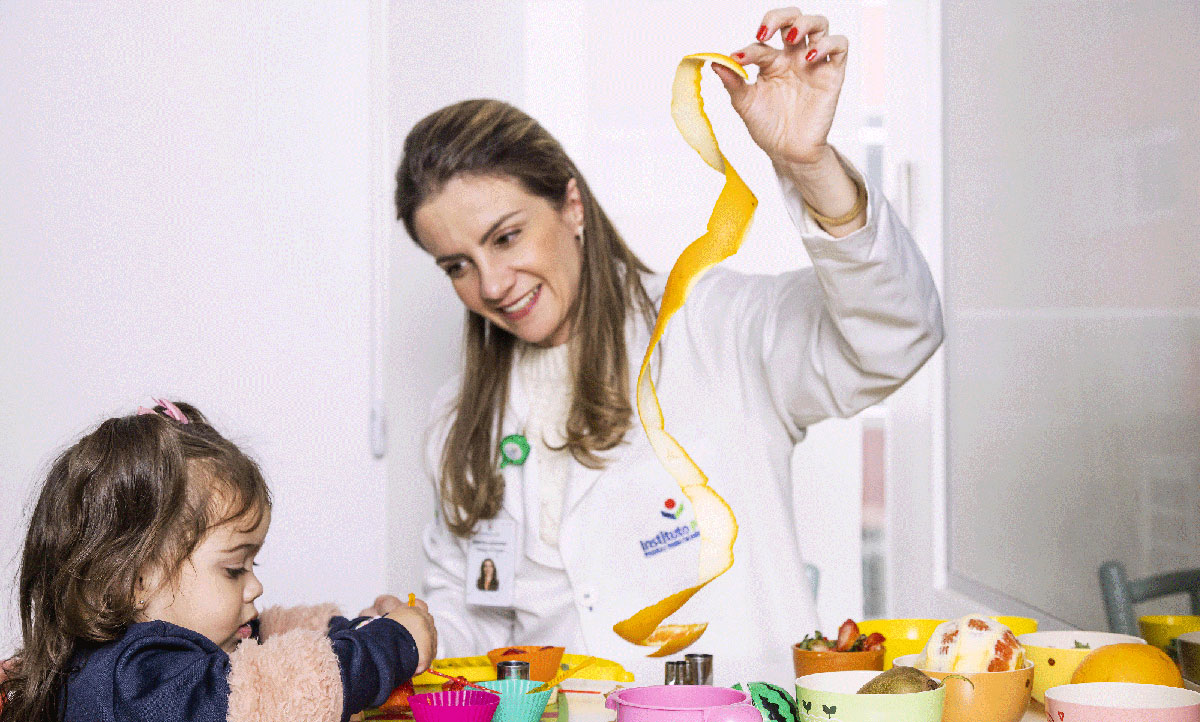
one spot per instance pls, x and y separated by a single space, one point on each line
746 365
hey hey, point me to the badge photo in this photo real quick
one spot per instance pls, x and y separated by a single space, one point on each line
490 573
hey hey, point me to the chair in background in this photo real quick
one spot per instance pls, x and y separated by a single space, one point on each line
1121 593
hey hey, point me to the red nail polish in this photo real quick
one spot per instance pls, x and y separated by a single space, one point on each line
791 36
812 55
762 33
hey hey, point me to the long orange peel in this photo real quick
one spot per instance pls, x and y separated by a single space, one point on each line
726 228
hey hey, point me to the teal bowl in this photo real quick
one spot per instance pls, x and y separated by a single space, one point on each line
516 705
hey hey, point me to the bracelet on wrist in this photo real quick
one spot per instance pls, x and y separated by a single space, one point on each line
860 202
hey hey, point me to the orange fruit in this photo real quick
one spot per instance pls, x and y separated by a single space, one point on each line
672 638
1137 663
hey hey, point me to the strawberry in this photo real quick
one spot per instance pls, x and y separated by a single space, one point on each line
398 699
873 642
847 635
455 684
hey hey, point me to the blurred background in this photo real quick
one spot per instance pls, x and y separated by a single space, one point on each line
196 203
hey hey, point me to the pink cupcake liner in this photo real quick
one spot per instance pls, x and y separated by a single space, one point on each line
464 705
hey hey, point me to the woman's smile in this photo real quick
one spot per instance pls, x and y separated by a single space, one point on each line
523 305
514 258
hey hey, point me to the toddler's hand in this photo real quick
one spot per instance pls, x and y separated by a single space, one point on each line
384 604
419 623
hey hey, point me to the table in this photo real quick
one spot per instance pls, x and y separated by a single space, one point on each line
1036 713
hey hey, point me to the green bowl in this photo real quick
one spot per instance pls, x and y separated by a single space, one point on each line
830 697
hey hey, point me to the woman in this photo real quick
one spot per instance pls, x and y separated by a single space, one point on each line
559 312
487 576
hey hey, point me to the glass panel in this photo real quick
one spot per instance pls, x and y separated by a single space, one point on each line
1072 298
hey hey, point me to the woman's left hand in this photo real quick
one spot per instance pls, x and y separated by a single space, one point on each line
789 108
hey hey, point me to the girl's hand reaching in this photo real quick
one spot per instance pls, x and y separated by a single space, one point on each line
419 623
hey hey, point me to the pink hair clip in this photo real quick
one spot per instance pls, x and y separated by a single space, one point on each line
169 408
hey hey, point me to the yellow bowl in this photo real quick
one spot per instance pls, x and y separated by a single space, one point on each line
1055 656
1160 629
988 697
1019 625
903 636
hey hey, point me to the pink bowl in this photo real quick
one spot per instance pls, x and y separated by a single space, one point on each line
464 705
1121 702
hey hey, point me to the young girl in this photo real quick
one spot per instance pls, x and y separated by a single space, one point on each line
137 592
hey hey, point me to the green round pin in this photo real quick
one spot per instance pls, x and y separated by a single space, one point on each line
514 450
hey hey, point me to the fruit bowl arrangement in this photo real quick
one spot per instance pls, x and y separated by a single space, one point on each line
850 650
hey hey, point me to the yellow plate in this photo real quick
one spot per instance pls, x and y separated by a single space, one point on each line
479 669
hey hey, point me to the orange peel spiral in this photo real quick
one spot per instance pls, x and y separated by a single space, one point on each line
726 229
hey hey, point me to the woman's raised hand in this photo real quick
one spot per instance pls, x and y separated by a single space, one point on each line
789 108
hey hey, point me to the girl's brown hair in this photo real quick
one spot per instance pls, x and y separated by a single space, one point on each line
137 493
492 138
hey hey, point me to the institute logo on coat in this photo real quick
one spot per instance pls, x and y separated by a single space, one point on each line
672 509
666 539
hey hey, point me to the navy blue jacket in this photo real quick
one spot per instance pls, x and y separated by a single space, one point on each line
159 672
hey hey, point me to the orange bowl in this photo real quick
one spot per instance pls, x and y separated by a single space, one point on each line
995 696
806 662
543 661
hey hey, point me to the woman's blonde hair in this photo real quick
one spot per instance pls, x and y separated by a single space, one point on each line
489 138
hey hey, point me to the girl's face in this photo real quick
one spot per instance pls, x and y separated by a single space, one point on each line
512 257
216 587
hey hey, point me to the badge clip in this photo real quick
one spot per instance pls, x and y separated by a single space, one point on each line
514 450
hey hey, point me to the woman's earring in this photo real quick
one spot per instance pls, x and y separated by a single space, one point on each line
579 235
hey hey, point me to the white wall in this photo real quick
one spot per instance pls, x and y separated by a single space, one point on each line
439 54
183 212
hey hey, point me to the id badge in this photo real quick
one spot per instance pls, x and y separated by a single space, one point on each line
492 564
